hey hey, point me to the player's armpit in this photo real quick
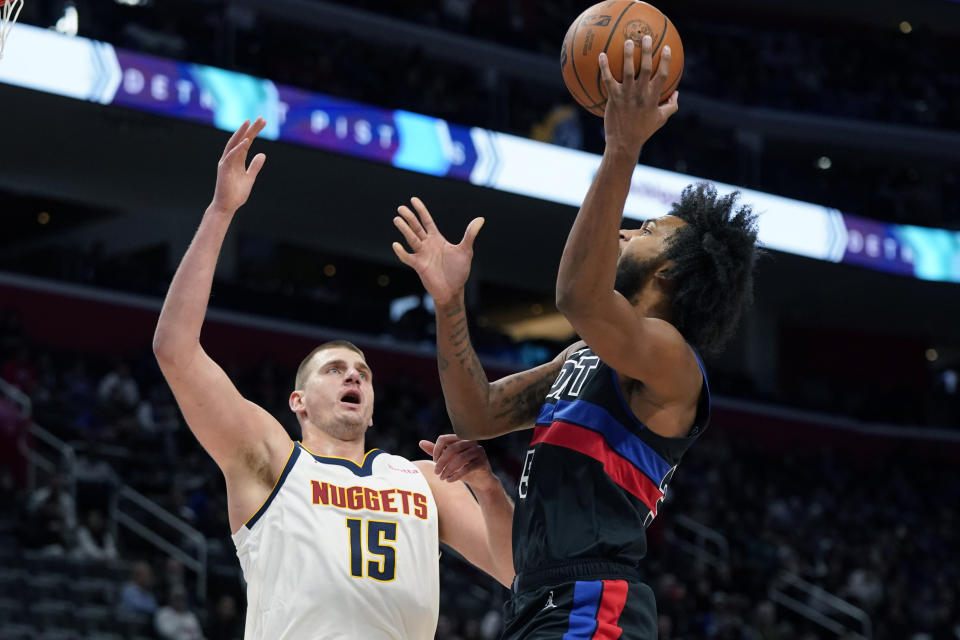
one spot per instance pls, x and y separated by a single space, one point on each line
646 349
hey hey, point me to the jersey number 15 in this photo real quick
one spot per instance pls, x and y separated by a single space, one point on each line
383 569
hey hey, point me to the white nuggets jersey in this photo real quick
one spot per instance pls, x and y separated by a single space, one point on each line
340 551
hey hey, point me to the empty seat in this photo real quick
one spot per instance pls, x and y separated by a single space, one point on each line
93 591
11 611
18 632
45 585
11 580
104 635
52 613
62 633
94 617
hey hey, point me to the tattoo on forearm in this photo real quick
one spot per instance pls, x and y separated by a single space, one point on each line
522 405
459 333
454 310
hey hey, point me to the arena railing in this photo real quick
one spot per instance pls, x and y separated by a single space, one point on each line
61 457
496 60
144 517
128 507
707 545
821 607
18 397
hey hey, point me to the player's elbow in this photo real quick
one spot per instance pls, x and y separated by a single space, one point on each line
572 300
465 430
574 307
169 352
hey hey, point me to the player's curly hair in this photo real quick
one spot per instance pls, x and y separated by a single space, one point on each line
713 257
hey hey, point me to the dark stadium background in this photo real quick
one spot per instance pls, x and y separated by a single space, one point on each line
820 504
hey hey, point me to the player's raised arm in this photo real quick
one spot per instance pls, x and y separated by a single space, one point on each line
242 438
478 408
604 318
478 526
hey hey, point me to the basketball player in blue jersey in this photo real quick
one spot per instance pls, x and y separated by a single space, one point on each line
335 543
614 413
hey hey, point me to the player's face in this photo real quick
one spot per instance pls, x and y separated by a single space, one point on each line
338 393
650 240
640 253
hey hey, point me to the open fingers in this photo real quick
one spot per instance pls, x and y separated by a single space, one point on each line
412 239
424 213
256 164
663 71
256 128
246 133
402 254
608 80
471 233
670 107
237 156
412 222
628 52
235 138
646 59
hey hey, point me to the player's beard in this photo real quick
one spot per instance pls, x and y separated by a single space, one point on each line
632 275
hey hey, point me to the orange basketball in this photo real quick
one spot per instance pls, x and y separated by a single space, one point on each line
605 27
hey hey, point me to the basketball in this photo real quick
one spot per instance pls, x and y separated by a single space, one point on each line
605 27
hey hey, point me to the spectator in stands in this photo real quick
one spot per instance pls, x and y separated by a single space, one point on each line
13 425
118 387
81 399
117 397
226 623
20 370
174 576
157 420
54 493
94 542
49 525
175 621
137 596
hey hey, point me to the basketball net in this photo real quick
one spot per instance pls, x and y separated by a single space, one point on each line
9 12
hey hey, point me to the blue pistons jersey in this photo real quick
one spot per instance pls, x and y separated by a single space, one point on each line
594 475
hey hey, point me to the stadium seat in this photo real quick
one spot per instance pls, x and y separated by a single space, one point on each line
94 617
18 632
52 613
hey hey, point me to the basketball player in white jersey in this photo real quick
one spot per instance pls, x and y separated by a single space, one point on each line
334 543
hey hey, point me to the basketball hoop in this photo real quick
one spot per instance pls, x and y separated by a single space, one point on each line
9 12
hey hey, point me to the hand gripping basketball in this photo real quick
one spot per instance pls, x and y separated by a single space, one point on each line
633 114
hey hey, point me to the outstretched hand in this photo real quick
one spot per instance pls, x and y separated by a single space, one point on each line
633 113
458 459
234 178
443 267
